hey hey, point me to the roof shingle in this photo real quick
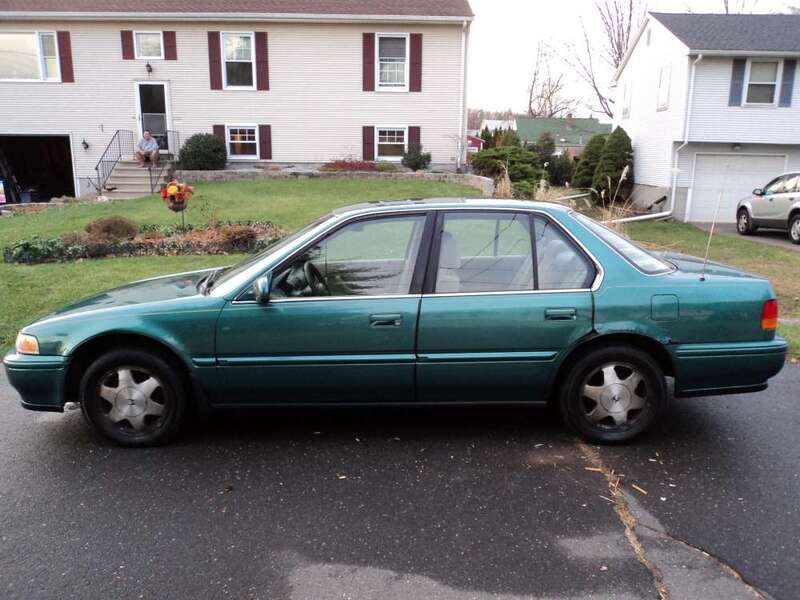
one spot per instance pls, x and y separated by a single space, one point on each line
756 33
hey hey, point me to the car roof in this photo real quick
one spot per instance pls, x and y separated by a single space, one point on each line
379 206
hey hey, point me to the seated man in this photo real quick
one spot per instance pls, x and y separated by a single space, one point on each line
147 149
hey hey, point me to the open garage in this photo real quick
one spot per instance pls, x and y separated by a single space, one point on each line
36 168
734 176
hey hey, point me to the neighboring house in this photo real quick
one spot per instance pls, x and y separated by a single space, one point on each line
279 81
569 134
474 144
712 107
495 124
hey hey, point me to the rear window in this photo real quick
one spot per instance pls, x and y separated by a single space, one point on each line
637 256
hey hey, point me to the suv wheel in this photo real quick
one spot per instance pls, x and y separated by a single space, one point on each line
744 225
613 394
133 398
794 229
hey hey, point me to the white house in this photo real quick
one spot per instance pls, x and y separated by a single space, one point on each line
712 107
281 81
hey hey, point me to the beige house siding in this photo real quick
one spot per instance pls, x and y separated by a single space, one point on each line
315 104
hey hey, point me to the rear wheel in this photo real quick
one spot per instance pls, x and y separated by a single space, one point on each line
744 224
794 229
613 394
133 398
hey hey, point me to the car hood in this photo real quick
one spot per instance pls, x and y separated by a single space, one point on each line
159 289
694 264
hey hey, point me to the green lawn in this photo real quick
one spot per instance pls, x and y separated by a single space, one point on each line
28 292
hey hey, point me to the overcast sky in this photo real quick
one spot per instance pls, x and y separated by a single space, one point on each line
505 34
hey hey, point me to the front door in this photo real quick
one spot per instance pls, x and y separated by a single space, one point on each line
499 308
152 111
340 324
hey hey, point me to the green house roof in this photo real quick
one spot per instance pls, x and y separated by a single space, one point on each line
566 132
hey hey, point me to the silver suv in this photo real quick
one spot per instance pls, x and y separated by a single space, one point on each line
776 206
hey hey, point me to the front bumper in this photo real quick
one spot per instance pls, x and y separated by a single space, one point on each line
38 379
727 368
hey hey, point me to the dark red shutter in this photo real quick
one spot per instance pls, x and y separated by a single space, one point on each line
214 61
265 142
65 56
126 38
415 83
368 142
414 135
219 131
170 46
262 61
368 62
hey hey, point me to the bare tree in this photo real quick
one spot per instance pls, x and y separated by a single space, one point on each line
734 7
618 20
546 91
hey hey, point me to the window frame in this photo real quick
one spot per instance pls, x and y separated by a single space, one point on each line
224 61
137 55
378 129
40 62
392 88
777 83
246 157
662 103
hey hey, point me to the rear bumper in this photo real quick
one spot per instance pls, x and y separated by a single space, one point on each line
38 379
727 368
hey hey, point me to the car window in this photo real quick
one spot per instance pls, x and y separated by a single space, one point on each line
561 266
374 257
638 257
775 186
791 184
485 252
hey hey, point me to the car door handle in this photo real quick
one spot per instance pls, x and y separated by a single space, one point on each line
386 320
560 314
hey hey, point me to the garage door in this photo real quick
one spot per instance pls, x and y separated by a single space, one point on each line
735 175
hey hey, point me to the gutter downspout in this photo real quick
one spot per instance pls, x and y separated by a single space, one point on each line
689 105
462 122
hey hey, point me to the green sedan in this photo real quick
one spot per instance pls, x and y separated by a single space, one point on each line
415 302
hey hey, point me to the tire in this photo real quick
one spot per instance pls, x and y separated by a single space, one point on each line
794 229
133 398
744 224
622 408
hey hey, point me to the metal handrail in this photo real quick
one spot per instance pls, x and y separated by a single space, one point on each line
121 145
173 140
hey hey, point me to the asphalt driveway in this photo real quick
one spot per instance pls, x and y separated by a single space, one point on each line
773 237
489 503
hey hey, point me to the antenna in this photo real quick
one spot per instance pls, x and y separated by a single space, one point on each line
714 223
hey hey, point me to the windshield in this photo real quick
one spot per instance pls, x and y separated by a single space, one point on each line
637 256
231 272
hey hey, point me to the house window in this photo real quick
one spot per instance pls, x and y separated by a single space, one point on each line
29 56
392 62
762 81
242 141
391 143
664 76
239 62
148 44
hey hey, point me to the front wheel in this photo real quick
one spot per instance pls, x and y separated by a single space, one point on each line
613 394
133 398
744 224
794 229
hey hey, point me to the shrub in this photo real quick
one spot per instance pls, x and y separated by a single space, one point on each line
203 152
523 165
505 137
74 238
545 146
616 159
524 190
415 159
385 166
112 229
587 165
487 137
560 169
347 164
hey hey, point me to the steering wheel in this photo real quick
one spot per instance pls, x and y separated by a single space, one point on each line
315 280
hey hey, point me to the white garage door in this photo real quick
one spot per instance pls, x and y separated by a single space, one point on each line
735 175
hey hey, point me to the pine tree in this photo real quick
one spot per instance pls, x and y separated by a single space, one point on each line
587 165
487 137
617 155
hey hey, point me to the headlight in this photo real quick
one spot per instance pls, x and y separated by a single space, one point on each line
27 344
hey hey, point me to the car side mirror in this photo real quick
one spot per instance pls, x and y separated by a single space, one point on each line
262 287
758 192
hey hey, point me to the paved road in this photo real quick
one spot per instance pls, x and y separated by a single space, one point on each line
773 237
495 503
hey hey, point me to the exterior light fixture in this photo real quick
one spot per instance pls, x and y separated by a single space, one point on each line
85 144
148 67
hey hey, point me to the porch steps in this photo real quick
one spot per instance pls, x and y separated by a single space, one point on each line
128 180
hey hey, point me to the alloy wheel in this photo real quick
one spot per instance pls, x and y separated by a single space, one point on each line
614 396
743 222
795 230
134 399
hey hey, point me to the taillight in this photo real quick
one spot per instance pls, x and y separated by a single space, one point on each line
769 316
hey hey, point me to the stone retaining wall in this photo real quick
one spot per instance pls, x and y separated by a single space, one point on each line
483 184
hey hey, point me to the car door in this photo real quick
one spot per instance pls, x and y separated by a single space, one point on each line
766 209
505 293
782 201
340 323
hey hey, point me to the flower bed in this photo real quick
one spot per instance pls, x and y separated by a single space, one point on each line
152 240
